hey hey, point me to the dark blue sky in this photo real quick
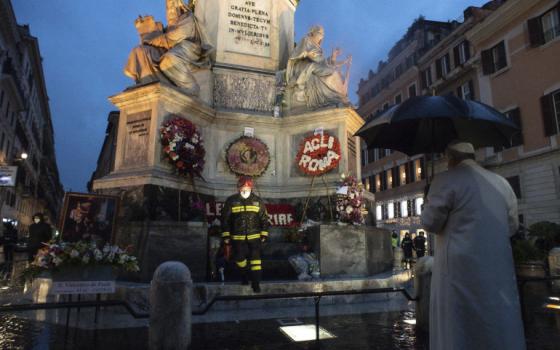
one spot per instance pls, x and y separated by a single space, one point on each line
85 44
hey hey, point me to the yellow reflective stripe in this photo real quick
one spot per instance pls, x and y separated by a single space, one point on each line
264 233
256 268
241 263
256 262
241 209
225 234
255 236
238 237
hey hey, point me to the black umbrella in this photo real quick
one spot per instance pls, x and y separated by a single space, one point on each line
426 124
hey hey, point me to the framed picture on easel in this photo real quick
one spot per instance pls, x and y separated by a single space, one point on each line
87 216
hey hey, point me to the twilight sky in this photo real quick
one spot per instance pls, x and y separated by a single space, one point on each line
84 45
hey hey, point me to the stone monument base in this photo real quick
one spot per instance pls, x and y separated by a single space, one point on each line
352 251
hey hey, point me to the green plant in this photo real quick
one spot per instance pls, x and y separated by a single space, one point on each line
525 251
547 235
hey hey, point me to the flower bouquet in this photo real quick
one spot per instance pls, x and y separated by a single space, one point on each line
183 146
350 205
57 256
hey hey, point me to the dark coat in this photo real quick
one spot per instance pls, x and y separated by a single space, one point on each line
244 217
406 246
38 233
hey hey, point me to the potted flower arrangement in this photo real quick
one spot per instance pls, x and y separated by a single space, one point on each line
80 261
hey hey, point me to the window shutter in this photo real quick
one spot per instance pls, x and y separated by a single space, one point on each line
438 68
471 89
423 167
517 139
456 55
372 184
536 35
459 92
396 177
467 46
547 105
410 207
384 208
383 180
487 64
410 173
502 56
397 209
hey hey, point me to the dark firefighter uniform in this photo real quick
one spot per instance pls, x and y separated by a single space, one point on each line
245 224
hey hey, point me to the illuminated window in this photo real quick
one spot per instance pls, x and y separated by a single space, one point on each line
379 212
419 203
404 209
391 210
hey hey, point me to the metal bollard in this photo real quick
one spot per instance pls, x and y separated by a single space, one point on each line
422 282
170 307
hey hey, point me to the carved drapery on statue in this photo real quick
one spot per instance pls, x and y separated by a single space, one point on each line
248 156
172 54
312 79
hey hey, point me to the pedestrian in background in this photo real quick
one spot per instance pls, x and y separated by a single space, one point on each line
9 241
420 245
406 246
39 232
474 303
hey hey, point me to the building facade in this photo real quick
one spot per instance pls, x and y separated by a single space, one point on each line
505 54
25 127
433 58
518 50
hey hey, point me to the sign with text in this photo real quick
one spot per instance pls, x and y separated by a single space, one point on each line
83 287
249 27
8 176
280 215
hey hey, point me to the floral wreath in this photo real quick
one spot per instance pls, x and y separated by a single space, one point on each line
248 156
183 146
318 154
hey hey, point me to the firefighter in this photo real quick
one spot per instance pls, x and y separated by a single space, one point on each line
245 226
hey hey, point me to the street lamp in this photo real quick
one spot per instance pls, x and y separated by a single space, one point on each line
23 156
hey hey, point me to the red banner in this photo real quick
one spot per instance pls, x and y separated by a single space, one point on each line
281 215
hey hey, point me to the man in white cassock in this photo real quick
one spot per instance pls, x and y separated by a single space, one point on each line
474 302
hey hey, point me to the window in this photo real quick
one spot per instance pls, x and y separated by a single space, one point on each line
398 99
412 91
443 66
389 175
462 53
379 212
466 91
391 210
378 182
386 106
404 209
364 160
544 28
399 70
418 205
494 59
427 78
370 155
515 185
550 105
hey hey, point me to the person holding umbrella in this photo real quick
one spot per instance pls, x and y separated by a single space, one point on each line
474 303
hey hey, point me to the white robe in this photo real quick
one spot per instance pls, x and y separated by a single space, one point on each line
474 302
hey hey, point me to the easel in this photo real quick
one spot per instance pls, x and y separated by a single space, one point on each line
309 197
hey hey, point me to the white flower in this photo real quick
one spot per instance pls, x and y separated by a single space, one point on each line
85 259
74 253
97 254
349 209
57 261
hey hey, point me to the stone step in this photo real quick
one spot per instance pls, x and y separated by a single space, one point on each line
280 249
137 294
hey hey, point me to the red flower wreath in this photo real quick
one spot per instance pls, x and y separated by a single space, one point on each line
318 154
183 146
